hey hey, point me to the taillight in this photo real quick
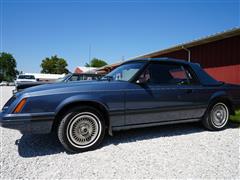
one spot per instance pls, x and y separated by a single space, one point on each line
20 106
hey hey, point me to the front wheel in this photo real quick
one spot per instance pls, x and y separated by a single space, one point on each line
217 116
81 129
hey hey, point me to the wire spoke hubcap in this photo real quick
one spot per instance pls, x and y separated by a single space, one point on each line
219 115
83 130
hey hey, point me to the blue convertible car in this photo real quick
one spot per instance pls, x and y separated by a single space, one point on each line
139 93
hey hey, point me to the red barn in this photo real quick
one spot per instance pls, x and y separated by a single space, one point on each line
218 54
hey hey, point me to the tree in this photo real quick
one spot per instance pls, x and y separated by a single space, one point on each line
96 63
54 65
8 65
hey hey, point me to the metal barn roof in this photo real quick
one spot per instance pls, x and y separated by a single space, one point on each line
207 39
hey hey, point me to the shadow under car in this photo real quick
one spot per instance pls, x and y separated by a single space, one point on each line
48 144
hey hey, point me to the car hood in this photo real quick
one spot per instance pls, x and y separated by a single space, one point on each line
68 87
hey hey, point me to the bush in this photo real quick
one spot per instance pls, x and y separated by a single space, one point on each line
236 118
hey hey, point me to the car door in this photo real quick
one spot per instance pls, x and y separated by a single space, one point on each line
167 94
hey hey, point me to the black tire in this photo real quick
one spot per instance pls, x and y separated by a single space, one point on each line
216 117
81 129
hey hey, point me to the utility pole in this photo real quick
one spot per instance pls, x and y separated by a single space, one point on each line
89 53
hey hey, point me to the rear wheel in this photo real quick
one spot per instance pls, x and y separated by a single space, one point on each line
217 116
81 129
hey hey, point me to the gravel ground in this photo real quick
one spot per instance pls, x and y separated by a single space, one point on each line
176 151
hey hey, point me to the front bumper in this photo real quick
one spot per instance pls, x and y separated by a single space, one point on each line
37 123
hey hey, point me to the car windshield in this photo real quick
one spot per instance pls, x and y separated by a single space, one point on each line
124 72
26 77
62 79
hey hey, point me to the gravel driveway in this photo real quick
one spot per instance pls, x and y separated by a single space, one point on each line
174 151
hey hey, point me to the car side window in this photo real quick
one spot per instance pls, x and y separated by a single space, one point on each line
191 76
167 74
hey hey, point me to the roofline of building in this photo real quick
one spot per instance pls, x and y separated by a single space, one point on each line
211 38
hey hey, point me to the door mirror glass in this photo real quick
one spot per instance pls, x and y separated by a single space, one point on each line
144 77
141 81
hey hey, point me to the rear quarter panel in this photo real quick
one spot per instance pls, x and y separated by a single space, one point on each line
234 93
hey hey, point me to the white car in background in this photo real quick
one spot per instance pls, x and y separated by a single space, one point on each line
4 83
25 78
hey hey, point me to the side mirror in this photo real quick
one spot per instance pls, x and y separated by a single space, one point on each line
141 81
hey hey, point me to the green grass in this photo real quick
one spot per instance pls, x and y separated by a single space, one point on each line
236 118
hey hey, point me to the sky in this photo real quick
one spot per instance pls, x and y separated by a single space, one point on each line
32 30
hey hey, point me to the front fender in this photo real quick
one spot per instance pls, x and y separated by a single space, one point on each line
80 98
